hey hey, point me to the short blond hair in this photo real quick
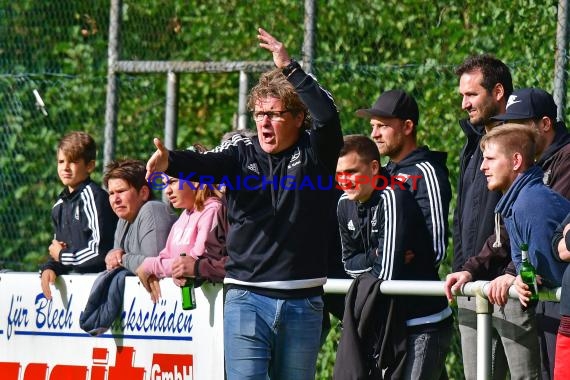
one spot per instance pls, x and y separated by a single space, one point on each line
513 138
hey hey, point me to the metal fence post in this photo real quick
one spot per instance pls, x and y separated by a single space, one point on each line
112 106
242 101
309 38
561 58
171 113
484 310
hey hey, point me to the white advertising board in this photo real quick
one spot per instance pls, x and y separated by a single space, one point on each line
42 340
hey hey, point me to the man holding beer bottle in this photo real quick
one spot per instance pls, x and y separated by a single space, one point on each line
530 210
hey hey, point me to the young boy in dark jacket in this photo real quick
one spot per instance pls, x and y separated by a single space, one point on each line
83 221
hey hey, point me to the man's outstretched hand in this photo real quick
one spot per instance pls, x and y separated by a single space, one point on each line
158 162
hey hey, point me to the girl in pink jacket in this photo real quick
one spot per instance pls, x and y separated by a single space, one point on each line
199 232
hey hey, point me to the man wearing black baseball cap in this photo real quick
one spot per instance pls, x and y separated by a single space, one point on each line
394 120
393 103
536 108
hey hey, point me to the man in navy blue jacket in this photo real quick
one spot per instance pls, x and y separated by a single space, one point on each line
485 83
531 211
383 232
279 190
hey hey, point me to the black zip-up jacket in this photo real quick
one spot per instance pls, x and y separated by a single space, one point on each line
278 232
85 221
379 234
373 341
474 216
427 176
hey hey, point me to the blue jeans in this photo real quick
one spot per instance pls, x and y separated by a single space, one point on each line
427 352
271 338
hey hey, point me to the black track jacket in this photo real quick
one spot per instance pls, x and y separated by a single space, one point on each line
85 221
277 203
427 176
377 234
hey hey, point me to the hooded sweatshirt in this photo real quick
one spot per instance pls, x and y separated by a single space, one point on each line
531 212
426 174
196 233
555 162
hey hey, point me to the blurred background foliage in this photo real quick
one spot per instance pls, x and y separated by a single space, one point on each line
361 49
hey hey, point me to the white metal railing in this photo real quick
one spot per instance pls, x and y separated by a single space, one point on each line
478 289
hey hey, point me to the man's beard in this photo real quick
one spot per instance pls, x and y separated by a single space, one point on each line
487 112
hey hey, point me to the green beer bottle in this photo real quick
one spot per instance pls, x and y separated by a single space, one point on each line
528 275
188 296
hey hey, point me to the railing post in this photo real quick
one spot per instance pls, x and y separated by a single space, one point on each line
171 115
484 310
242 103
112 102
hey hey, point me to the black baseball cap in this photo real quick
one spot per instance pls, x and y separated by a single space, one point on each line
393 103
529 103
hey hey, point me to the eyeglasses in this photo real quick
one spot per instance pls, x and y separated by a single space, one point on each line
272 115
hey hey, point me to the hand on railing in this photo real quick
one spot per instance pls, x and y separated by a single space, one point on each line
454 282
499 289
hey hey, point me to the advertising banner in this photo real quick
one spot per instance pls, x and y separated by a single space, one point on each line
42 339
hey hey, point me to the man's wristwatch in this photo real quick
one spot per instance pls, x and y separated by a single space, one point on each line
291 67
